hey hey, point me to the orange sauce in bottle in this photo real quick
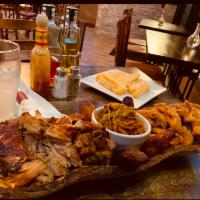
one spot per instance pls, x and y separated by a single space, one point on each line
40 58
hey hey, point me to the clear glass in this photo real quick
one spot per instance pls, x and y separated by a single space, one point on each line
69 42
10 68
69 39
53 33
193 40
161 20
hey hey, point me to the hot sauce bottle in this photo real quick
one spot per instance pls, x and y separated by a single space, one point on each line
40 58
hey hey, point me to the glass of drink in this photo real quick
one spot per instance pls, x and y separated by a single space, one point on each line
10 68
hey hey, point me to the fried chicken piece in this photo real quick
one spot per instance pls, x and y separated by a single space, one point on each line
45 177
56 162
190 115
59 132
84 144
194 118
170 113
76 117
86 109
73 156
64 120
131 158
93 144
158 143
178 139
27 173
33 125
175 122
156 118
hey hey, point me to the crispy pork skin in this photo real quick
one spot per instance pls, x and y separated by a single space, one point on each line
157 144
12 149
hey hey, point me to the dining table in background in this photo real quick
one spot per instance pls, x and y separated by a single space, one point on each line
172 51
166 27
173 178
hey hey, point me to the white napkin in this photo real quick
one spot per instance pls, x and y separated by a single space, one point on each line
37 103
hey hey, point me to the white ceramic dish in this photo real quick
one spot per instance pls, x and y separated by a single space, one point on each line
154 91
45 108
126 140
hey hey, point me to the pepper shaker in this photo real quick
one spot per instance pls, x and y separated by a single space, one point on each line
60 84
73 82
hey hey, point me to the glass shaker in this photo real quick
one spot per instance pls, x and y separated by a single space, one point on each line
73 82
60 84
194 40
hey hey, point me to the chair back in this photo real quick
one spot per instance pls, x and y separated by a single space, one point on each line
18 24
123 32
9 10
82 26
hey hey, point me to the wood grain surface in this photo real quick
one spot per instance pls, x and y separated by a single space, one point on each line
171 49
165 28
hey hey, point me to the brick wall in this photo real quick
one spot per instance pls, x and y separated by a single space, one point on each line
108 14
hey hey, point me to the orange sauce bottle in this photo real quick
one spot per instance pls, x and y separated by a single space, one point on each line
40 58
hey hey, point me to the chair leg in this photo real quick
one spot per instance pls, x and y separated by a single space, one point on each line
6 34
1 34
192 77
16 34
170 75
165 72
177 79
185 88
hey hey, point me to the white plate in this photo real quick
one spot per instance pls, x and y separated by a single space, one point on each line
41 104
154 91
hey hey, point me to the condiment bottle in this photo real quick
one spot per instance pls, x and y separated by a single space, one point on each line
60 84
69 39
73 82
53 31
40 58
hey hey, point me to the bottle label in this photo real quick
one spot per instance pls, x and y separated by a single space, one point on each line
41 37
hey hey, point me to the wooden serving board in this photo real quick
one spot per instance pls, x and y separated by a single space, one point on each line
90 173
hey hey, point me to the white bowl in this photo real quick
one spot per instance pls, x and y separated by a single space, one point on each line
126 140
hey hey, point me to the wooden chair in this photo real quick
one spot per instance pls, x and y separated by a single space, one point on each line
9 10
134 41
82 26
123 32
29 11
1 31
181 81
121 50
133 49
19 24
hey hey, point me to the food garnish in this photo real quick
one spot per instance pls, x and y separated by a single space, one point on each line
120 118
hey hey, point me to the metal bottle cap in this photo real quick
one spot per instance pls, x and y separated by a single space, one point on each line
61 71
75 71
